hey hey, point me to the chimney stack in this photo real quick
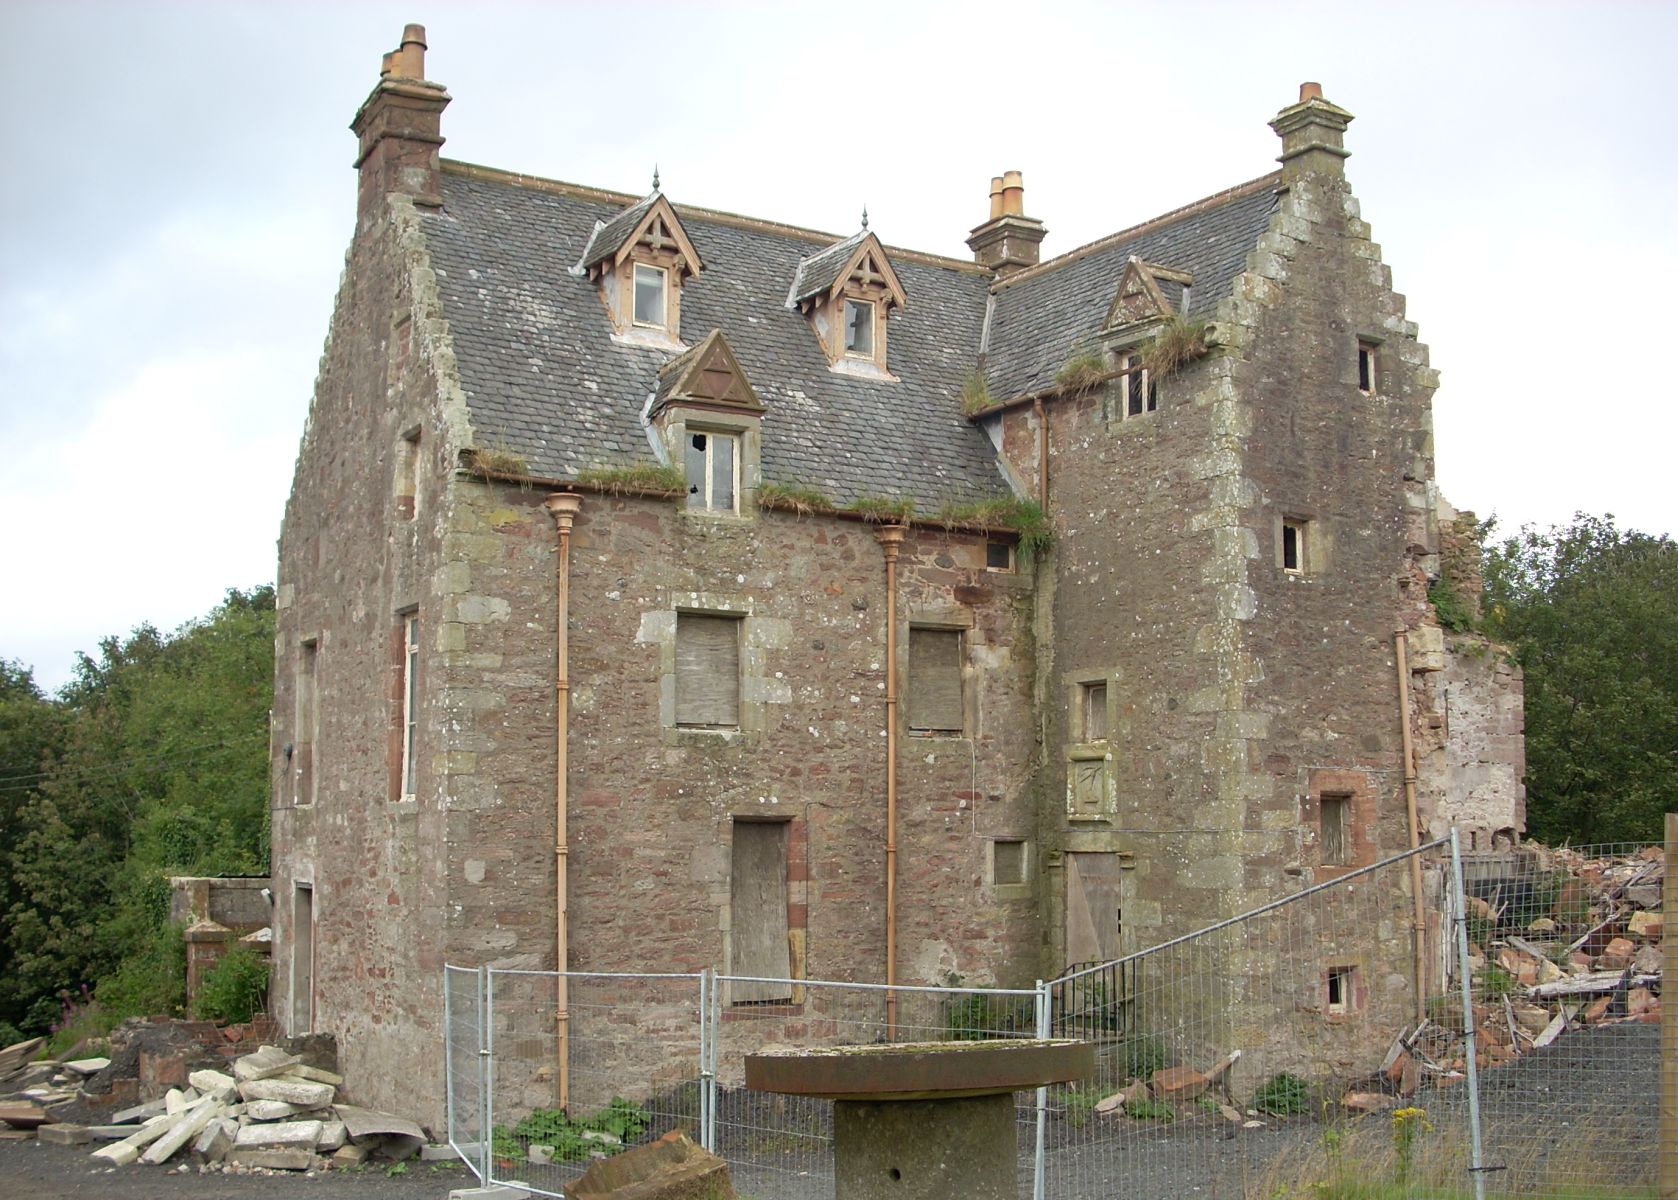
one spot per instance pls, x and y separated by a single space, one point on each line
1312 133
1009 240
399 126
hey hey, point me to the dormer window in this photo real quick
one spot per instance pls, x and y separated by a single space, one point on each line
848 292
650 296
859 328
640 259
713 471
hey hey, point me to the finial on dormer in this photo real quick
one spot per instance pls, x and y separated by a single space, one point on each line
655 177
865 217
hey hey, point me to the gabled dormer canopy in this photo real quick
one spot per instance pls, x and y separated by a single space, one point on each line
640 259
848 291
1148 292
707 376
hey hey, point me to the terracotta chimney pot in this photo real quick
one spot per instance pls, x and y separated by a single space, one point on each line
1310 91
1013 194
387 64
995 196
411 57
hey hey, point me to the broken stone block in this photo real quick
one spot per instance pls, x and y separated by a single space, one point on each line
1616 956
18 1053
1366 1101
349 1154
280 1135
1136 1090
399 1138
87 1066
1646 925
215 1141
23 1114
185 1130
332 1135
267 1062
315 1075
289 1091
126 1151
1542 925
274 1160
672 1168
64 1135
441 1153
270 1110
1110 1106
140 1112
211 1081
1596 1009
1177 1083
1532 1018
1648 960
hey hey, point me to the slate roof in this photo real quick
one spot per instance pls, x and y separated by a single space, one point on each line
820 271
544 379
609 238
1043 315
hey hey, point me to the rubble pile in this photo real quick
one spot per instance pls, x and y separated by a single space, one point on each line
1576 941
274 1111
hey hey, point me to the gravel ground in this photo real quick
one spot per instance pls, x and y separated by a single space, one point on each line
33 1169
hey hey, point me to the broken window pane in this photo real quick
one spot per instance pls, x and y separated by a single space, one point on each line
696 459
1095 712
859 327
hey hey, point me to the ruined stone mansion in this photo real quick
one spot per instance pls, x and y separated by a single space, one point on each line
662 589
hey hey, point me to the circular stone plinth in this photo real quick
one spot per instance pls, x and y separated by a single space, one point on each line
920 1070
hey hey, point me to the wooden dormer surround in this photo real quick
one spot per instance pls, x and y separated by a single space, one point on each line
640 259
849 292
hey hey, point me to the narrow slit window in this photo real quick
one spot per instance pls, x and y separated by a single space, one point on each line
859 328
650 284
1092 703
1366 368
713 465
1140 396
307 721
1335 813
410 703
1340 983
1293 546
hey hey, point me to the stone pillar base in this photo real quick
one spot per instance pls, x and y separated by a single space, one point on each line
926 1149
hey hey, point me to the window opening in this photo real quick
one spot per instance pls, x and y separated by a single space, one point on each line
999 556
1366 368
302 959
1008 861
1340 989
650 283
1093 717
303 753
707 671
1140 394
935 702
1335 813
407 473
1293 546
758 912
713 464
859 327
410 703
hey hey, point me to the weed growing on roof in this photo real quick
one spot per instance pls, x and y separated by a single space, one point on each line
499 462
1082 371
1025 517
636 479
976 394
885 509
801 498
1176 345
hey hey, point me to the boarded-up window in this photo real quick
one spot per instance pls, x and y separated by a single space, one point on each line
1093 701
707 671
1087 787
935 681
758 911
1336 814
1008 861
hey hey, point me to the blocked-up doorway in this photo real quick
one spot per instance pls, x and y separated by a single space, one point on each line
302 959
1094 908
758 936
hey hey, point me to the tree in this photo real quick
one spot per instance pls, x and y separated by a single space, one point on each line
1592 612
31 730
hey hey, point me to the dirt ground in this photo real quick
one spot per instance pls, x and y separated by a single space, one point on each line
43 1172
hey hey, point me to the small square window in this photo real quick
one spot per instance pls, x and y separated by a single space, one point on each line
1340 984
1008 861
1335 829
713 470
999 556
1092 711
1139 392
1293 545
650 285
1367 366
859 328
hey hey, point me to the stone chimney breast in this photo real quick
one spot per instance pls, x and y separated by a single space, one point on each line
1313 134
399 127
1009 240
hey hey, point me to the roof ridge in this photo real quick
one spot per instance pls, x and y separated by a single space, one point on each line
455 166
1216 199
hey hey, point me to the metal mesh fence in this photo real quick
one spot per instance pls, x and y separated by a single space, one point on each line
463 1028
1564 969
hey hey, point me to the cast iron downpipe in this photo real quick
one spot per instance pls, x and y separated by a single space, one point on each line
891 541
562 506
1401 642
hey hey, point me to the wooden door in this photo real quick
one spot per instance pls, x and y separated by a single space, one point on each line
758 911
1094 904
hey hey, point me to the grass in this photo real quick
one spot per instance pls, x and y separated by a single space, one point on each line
1283 1095
1145 1109
1082 371
976 394
1025 517
635 479
885 509
1175 346
801 498
493 460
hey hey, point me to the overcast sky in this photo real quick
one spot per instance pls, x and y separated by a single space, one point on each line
176 199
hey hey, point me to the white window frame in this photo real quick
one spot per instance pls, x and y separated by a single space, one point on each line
1370 351
1131 361
1300 527
410 699
873 328
711 436
664 291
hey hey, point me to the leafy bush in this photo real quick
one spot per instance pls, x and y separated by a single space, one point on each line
623 1119
1144 1054
1145 1109
976 1016
1493 980
235 989
1283 1095
1454 613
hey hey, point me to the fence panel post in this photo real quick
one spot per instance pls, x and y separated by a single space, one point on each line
1669 1019
707 1063
488 1052
1044 1025
449 1080
1477 1167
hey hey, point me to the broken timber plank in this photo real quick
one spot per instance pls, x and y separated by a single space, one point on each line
1590 985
